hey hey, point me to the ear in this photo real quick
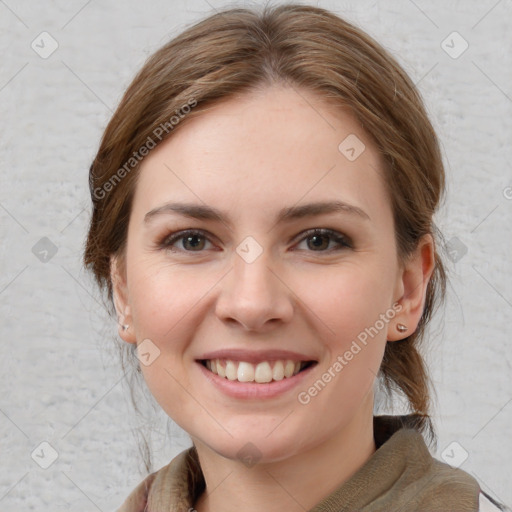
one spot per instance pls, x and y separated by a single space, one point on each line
121 299
411 289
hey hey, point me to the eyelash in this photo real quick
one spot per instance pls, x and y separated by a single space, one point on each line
339 238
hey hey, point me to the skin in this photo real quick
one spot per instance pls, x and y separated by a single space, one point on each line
250 156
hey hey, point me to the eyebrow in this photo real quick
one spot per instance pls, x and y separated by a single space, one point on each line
204 212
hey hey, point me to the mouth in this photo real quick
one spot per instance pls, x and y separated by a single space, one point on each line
263 372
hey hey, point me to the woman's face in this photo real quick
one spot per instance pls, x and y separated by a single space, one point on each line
253 286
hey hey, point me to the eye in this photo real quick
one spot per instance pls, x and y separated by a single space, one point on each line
193 240
322 238
317 240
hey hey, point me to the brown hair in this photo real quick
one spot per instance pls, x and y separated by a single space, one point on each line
237 50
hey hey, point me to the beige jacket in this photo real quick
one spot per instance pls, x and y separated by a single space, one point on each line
400 476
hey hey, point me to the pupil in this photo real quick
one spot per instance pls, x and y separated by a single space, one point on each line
318 238
191 238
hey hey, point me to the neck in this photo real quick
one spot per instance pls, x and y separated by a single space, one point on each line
294 484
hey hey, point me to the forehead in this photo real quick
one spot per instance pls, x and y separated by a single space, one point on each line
265 150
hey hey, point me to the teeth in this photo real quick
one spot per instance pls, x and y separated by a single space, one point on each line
263 373
231 372
278 371
221 371
289 368
247 372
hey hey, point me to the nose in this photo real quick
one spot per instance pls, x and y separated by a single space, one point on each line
254 296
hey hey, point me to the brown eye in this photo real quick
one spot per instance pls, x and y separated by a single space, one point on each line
191 241
196 242
319 240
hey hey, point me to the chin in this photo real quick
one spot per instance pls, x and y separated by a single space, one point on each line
252 449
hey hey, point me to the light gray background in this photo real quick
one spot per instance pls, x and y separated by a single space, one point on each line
60 379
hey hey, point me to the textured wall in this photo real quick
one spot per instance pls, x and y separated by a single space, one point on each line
60 380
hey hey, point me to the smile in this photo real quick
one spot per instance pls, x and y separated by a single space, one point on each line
261 373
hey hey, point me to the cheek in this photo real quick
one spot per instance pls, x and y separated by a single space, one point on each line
353 311
164 298
166 303
346 301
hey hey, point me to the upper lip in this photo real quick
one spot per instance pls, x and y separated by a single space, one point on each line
252 356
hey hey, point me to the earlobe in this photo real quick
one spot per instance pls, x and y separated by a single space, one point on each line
120 297
413 281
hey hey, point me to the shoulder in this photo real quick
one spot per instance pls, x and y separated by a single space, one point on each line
138 498
169 485
461 482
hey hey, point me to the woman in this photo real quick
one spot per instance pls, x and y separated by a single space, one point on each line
263 202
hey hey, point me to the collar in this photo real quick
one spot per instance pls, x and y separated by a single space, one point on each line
400 475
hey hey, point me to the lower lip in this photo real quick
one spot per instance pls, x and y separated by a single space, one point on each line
246 390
